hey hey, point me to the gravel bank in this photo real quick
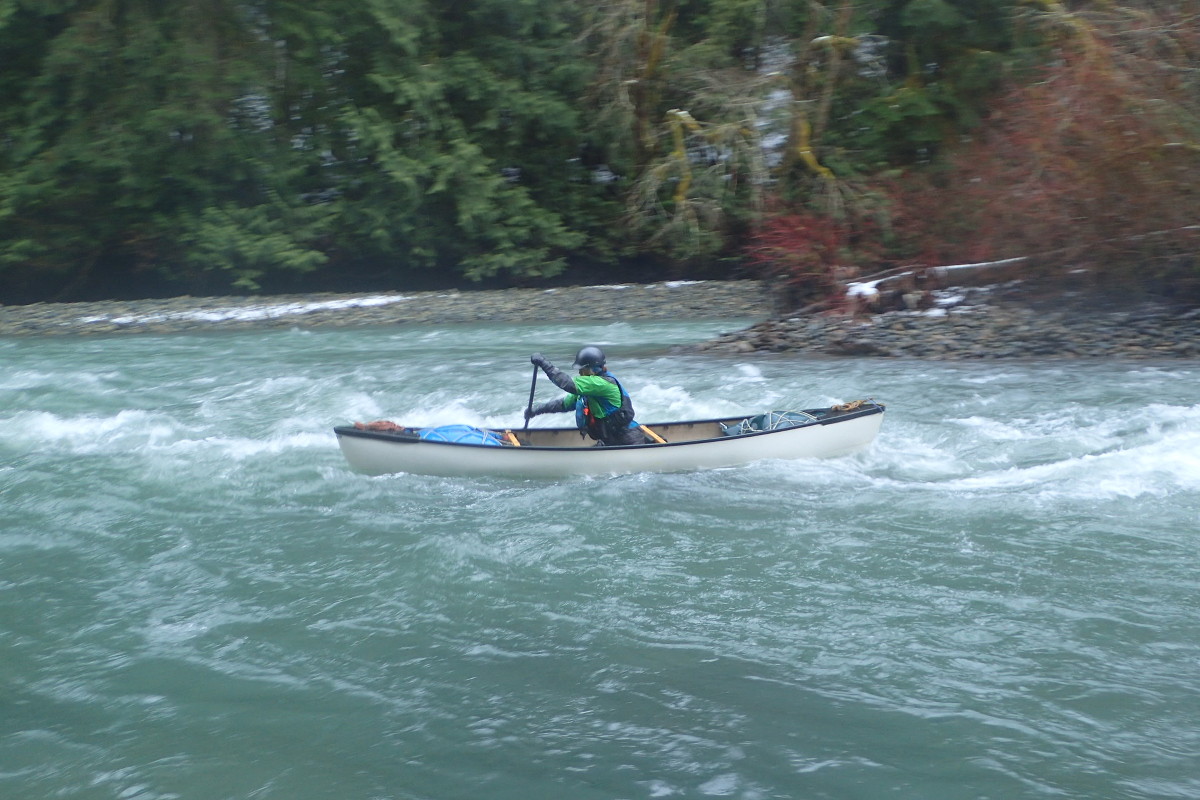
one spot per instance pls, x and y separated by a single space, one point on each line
669 300
966 323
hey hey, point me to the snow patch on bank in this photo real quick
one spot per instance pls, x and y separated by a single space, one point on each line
954 299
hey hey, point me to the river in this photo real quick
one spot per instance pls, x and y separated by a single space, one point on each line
199 600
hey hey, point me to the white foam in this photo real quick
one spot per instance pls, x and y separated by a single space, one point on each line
1160 466
453 412
150 432
998 430
91 433
750 373
249 313
242 448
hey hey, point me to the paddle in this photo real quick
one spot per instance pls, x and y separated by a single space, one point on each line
532 389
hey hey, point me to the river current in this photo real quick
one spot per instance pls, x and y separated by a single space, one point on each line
999 599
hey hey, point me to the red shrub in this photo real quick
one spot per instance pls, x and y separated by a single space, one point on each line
809 257
1093 163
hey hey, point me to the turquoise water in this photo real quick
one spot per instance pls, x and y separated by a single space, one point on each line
198 600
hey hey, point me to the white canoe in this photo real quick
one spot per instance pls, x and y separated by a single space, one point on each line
560 452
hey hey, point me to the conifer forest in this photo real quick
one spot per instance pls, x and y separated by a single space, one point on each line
152 147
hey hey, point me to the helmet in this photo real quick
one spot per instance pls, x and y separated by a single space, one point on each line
590 356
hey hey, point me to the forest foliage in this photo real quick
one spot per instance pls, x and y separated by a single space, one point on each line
210 146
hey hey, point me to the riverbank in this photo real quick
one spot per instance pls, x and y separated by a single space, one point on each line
963 323
984 323
667 300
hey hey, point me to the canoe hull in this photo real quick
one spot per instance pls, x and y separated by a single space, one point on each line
556 453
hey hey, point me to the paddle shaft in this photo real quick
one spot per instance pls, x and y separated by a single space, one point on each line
532 389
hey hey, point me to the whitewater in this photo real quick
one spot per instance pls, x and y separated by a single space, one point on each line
198 599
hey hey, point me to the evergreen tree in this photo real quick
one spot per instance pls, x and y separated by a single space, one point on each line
456 137
216 145
126 153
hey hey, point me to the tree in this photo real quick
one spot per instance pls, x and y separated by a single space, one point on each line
457 137
1096 163
227 143
675 108
128 137
270 144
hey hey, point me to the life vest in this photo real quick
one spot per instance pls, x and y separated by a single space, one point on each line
616 418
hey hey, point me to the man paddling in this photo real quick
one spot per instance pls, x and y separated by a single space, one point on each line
602 407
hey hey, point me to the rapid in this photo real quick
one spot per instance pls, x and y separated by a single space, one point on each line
999 599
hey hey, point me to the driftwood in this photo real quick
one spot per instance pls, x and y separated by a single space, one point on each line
910 289
906 288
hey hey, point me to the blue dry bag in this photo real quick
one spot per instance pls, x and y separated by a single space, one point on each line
461 434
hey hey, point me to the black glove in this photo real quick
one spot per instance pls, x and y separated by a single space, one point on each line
544 408
537 359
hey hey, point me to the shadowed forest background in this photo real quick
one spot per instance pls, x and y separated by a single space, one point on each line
214 146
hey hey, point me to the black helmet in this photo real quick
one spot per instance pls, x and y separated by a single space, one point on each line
590 356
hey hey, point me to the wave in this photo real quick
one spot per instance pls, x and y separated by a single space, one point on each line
133 431
87 433
248 313
1080 453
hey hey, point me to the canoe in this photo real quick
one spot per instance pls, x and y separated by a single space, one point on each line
381 448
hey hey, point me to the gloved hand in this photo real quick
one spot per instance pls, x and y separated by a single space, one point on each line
539 360
543 408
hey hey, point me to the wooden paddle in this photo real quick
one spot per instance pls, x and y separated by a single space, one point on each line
652 434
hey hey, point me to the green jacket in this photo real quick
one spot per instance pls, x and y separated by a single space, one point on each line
593 389
595 399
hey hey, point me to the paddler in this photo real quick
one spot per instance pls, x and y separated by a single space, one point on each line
603 409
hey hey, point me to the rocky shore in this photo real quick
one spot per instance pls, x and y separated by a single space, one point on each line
668 300
982 324
972 323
